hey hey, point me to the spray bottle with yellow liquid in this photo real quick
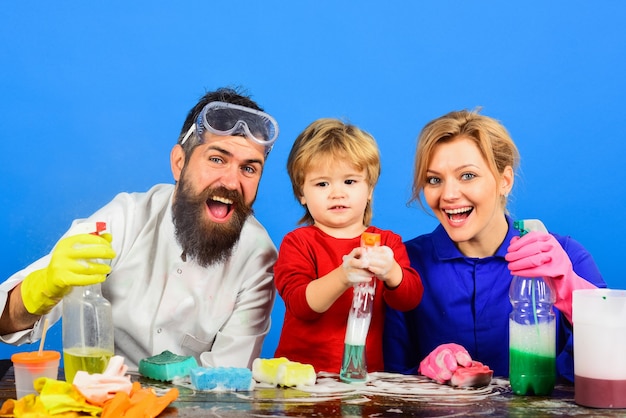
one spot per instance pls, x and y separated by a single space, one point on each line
87 323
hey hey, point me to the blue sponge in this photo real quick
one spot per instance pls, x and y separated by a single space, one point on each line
222 378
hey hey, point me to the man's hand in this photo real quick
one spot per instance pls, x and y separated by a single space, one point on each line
76 261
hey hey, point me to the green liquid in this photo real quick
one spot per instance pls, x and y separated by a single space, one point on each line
353 367
89 359
531 373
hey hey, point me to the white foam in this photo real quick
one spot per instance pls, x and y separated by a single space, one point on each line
356 333
407 387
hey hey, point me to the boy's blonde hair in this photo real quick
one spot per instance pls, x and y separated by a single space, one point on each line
328 140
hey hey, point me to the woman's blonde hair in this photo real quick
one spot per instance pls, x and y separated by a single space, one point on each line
489 135
328 140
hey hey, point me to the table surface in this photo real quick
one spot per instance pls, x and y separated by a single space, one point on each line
384 395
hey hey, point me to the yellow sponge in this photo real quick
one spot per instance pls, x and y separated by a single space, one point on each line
280 371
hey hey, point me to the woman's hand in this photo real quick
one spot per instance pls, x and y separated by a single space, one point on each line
538 254
443 361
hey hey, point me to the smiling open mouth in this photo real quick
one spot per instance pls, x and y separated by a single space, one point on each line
220 207
459 214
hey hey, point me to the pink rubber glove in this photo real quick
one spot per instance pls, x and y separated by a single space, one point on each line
98 388
538 254
443 361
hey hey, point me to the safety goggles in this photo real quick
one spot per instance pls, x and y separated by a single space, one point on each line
226 119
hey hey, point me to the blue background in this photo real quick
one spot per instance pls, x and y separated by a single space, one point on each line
93 95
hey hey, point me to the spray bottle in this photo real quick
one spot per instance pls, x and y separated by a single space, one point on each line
532 329
87 323
353 365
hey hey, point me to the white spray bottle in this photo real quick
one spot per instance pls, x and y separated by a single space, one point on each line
354 365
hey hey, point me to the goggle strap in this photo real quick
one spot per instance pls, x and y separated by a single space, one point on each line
188 134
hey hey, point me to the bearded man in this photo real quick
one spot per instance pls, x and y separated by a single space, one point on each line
187 268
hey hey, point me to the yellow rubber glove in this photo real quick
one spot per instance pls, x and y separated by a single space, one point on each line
62 399
56 399
76 261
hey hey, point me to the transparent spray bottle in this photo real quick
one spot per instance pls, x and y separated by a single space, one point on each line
354 365
87 323
532 329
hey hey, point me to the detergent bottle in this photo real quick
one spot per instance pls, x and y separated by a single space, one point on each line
87 323
532 329
354 365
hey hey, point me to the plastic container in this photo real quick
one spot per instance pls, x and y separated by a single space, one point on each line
532 330
30 366
599 317
354 365
87 328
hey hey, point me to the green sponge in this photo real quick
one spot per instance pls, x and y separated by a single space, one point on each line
166 366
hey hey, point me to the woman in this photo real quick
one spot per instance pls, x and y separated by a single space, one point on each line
465 168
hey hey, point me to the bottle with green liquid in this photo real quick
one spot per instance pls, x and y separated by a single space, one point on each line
87 325
353 364
532 330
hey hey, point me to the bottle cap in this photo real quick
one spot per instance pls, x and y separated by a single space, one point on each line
524 226
370 239
95 228
31 357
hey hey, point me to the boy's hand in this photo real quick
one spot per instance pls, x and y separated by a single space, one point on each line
355 266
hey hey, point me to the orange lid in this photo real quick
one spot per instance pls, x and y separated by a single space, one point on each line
370 239
34 356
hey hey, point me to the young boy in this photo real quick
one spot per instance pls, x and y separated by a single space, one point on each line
333 168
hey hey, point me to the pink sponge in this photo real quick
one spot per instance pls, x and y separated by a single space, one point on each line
476 375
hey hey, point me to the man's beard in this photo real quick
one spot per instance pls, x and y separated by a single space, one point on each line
202 240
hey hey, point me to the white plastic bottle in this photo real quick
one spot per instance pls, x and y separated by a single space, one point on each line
532 330
354 364
87 324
